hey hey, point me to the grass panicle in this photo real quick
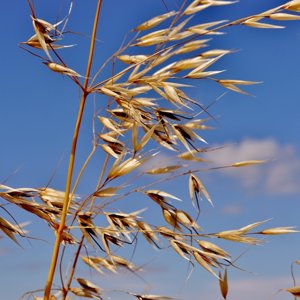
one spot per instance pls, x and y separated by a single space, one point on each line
148 112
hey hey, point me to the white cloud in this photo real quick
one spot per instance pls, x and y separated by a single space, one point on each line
284 177
281 176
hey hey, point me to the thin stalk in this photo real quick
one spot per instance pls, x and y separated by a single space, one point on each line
83 168
66 290
67 199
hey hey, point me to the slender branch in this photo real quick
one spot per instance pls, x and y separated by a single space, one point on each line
67 199
66 290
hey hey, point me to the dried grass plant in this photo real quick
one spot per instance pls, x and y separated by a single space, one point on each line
148 111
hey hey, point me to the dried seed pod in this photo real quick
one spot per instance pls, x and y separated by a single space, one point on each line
10 230
295 290
231 84
170 216
185 219
132 59
252 23
90 262
197 188
168 233
148 232
62 69
223 282
87 227
279 230
190 155
125 167
110 124
81 292
155 21
236 236
247 163
212 248
86 284
293 5
107 192
204 262
194 8
284 17
163 170
121 262
180 249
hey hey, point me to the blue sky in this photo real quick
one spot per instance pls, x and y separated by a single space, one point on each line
38 111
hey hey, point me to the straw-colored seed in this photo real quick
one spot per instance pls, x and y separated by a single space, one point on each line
284 17
218 2
247 163
196 186
204 262
88 285
235 236
62 69
293 5
170 217
163 170
190 63
185 219
132 59
190 155
223 282
261 25
211 247
151 41
179 249
168 233
181 35
155 34
215 52
124 168
155 21
110 151
82 292
109 92
107 192
279 230
172 94
90 262
231 84
110 124
295 290
192 46
145 139
194 9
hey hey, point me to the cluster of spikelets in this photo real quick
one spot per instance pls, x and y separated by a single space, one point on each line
148 109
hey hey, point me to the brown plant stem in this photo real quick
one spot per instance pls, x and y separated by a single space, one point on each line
67 199
66 290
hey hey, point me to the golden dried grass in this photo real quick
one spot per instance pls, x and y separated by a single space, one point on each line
148 95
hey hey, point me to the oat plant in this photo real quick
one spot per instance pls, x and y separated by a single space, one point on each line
142 110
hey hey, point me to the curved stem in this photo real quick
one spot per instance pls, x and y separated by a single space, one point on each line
67 199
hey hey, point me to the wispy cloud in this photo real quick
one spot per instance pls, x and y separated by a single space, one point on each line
280 176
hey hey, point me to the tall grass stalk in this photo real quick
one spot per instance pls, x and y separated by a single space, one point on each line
67 199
